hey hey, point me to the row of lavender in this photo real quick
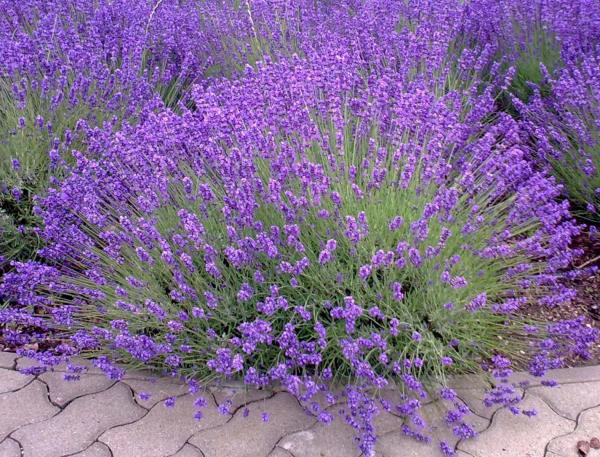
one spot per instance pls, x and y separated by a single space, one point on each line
331 196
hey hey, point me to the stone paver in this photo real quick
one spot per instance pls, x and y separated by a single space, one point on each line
588 426
397 444
159 389
9 448
188 451
565 375
7 359
95 450
279 452
103 418
511 436
25 406
473 398
79 424
249 436
62 392
333 440
162 431
11 380
569 400
23 362
239 396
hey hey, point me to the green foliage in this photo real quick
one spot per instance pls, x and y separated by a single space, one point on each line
538 47
482 334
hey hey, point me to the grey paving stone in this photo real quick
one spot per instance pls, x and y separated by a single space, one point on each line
144 375
11 380
511 436
239 396
7 359
188 451
569 399
9 448
80 423
588 426
250 437
78 361
473 398
576 374
95 450
26 406
385 423
162 431
158 388
62 392
397 444
333 440
394 396
279 452
468 381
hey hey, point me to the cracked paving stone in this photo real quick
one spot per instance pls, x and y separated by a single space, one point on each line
188 451
95 450
28 405
7 359
250 436
588 426
397 444
79 424
569 399
158 388
162 431
62 392
9 448
11 380
522 436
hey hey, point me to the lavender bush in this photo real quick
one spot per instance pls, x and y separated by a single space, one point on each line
70 67
552 51
344 216
565 126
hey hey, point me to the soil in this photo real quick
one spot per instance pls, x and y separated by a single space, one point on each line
587 301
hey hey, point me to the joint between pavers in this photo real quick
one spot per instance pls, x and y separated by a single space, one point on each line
20 388
490 423
78 396
91 444
99 437
21 450
552 408
49 398
195 447
577 423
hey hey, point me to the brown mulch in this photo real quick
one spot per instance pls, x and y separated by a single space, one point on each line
587 301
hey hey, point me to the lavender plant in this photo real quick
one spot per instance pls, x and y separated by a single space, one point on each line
70 67
338 234
565 126
354 217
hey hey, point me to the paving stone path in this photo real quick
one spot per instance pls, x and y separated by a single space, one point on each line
44 416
